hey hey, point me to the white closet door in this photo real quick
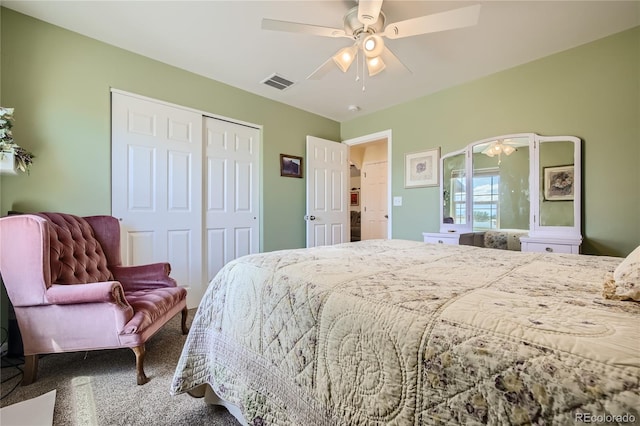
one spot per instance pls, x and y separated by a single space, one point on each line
231 192
157 187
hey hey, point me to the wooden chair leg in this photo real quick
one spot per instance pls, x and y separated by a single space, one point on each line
30 369
185 329
140 353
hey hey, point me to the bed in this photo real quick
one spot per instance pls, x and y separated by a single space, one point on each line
410 333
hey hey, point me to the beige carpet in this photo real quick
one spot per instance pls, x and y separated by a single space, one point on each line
99 387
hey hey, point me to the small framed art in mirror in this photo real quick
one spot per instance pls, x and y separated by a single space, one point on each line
558 183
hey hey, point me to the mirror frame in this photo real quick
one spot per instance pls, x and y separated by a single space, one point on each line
535 228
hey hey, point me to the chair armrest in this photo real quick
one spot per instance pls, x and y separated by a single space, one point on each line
102 292
143 277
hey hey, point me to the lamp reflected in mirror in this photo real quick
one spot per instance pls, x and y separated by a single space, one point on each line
498 148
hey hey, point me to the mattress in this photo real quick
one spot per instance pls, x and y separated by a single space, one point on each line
405 332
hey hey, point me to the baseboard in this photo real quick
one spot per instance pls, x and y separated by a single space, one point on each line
4 349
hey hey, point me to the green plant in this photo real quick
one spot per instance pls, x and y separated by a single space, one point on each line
23 158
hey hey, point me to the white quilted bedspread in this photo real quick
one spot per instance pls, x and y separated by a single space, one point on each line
408 333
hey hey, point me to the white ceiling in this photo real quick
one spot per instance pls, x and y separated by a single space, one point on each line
223 40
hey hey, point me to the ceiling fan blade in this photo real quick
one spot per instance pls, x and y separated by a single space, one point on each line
451 19
322 70
368 12
393 63
295 27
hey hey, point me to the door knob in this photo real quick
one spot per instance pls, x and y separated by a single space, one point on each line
386 216
312 218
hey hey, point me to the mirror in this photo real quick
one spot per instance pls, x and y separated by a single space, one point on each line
525 183
557 183
500 183
454 198
499 197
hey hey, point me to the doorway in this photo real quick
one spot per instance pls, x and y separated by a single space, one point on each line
370 186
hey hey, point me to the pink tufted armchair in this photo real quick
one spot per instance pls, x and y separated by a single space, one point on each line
70 292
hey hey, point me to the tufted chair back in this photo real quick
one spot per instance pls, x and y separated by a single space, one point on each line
76 256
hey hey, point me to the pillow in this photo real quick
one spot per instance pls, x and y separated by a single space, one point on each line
495 239
624 282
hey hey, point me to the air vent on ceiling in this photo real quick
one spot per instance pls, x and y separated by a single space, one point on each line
277 81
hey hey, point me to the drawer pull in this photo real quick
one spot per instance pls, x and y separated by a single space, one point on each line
549 249
440 242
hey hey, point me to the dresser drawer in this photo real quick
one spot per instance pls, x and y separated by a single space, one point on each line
441 238
549 248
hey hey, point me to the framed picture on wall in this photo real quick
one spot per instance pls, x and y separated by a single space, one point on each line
355 198
290 166
422 168
558 183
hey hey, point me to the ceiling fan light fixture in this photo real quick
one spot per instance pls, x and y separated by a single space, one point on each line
366 23
372 45
375 65
344 58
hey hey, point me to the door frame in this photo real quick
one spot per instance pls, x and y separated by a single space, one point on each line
385 134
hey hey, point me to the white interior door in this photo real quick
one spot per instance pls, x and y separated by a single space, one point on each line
156 187
327 181
374 208
232 192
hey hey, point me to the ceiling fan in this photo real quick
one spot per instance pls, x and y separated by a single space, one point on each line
366 25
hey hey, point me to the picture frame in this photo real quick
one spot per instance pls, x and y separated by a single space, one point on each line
422 169
355 198
558 183
290 166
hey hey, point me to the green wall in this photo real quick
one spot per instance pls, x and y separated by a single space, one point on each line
59 82
592 91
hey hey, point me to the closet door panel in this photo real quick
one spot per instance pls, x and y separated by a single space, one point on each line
156 187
